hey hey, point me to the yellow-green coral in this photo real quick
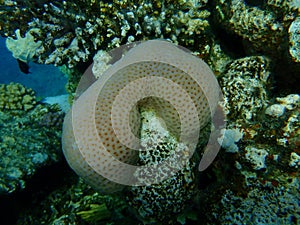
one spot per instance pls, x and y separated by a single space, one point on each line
23 48
95 213
16 97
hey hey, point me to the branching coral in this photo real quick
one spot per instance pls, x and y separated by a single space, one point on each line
72 31
15 97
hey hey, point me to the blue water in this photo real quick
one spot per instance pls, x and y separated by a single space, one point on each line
45 80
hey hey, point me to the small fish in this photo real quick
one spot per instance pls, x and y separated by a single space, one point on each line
24 67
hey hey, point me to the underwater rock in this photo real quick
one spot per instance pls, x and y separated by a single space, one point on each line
100 63
289 129
230 138
275 110
259 183
290 102
276 138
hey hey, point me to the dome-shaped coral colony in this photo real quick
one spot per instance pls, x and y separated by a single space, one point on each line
101 132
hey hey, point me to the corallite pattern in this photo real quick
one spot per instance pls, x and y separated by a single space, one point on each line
101 132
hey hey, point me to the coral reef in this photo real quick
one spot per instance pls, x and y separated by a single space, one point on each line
245 86
15 98
230 138
157 82
253 48
269 28
72 31
257 177
76 203
256 157
262 26
52 119
26 144
101 63
295 160
269 146
262 206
